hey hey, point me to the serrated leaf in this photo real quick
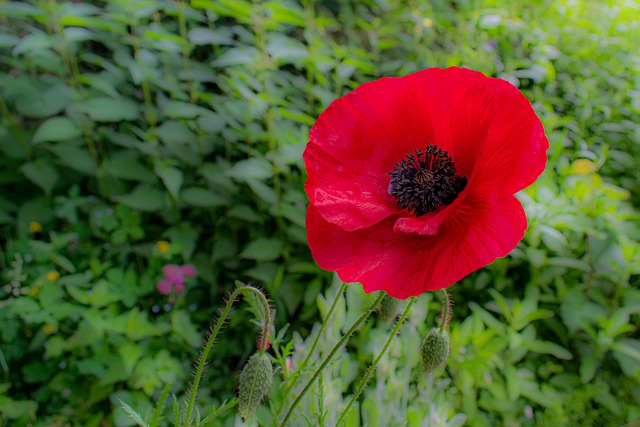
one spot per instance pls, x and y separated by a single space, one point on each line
183 110
202 197
20 9
128 167
75 157
174 132
33 42
38 103
262 249
547 347
254 168
143 198
55 130
42 174
202 36
236 56
171 177
135 416
105 109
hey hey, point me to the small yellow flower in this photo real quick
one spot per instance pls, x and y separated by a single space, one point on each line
582 167
35 227
427 22
48 329
53 275
163 246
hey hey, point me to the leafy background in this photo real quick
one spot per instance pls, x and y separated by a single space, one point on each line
139 133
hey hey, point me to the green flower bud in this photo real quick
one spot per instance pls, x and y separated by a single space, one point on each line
388 309
434 350
255 382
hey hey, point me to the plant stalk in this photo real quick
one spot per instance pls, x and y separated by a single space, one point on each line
372 368
332 353
212 339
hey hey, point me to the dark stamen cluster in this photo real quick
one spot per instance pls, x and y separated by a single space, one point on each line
425 181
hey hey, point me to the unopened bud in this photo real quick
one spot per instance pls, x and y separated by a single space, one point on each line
434 350
388 308
255 382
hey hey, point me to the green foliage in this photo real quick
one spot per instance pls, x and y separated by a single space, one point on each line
136 134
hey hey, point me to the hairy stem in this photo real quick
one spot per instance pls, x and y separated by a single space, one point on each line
372 368
445 315
332 353
212 339
315 342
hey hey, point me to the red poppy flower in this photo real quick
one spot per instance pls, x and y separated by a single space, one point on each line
411 179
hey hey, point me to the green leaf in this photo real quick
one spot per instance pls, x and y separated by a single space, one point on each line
20 9
63 263
105 109
159 409
171 177
174 132
17 409
144 198
76 158
202 36
546 347
183 328
56 129
569 263
262 249
130 354
42 174
135 416
254 168
127 165
202 197
34 102
33 42
182 110
237 56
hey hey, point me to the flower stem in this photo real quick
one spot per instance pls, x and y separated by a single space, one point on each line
372 368
445 314
329 356
324 324
212 339
315 342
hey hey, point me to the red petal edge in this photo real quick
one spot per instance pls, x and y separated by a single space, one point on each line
407 265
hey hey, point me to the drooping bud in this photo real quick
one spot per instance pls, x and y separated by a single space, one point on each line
388 309
434 350
254 384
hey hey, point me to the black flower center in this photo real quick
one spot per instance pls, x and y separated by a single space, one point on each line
425 181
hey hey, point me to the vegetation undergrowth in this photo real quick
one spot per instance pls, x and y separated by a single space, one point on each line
138 135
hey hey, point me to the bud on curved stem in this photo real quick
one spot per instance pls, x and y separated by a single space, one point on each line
388 308
434 350
255 382
435 347
211 339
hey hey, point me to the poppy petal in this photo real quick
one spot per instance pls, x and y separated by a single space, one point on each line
515 151
410 264
358 140
460 105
